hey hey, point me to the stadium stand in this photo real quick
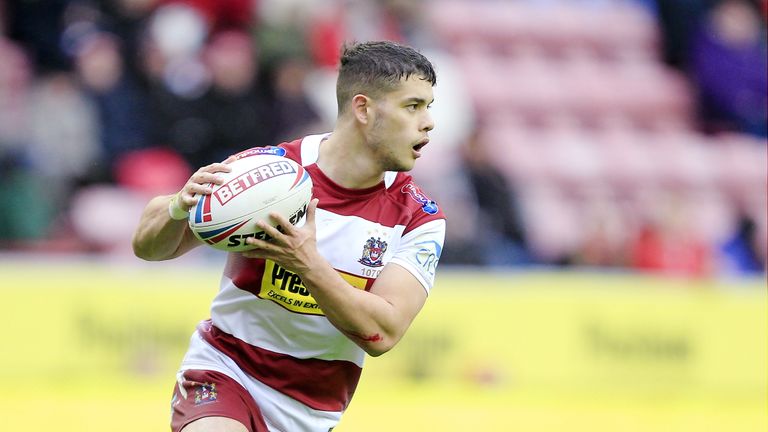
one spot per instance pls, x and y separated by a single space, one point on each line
591 125
577 102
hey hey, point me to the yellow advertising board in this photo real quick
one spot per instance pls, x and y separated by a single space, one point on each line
95 347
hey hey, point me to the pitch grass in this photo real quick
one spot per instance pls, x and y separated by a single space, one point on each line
71 363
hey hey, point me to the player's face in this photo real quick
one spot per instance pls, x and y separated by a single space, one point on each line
401 122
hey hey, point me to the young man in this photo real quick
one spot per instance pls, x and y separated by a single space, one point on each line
294 317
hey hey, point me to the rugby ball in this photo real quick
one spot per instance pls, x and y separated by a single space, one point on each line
262 181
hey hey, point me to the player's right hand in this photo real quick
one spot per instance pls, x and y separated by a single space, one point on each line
200 183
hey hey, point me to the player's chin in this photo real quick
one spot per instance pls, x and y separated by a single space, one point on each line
408 162
400 165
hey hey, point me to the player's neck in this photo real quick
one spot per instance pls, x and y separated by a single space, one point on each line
344 159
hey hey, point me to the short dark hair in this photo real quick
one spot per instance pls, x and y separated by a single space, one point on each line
374 68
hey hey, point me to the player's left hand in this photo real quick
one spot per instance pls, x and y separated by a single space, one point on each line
295 248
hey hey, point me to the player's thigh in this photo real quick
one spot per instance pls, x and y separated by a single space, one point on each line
215 424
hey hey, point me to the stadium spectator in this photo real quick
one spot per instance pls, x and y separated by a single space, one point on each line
665 242
127 20
235 104
741 252
28 213
292 111
223 15
500 233
288 70
605 235
37 26
121 103
677 22
361 20
729 59
211 104
16 79
64 142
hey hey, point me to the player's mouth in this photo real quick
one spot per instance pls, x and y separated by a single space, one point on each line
420 145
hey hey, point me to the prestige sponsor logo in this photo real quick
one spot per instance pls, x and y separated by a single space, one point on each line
286 289
245 181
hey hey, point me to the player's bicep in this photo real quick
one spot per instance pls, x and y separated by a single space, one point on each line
406 280
419 252
401 289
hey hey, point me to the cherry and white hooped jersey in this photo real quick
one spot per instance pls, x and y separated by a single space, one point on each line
269 324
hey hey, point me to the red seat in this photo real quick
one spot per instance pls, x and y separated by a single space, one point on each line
153 171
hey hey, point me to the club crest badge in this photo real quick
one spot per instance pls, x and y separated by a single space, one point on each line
373 252
206 393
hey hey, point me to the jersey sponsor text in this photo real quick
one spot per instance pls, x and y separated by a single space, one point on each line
286 288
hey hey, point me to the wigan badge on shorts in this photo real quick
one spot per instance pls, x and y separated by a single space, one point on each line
373 252
205 393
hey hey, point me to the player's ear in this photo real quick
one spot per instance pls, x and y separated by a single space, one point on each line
360 106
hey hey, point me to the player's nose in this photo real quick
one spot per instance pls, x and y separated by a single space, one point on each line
427 122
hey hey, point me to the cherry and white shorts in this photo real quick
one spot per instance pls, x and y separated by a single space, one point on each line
210 384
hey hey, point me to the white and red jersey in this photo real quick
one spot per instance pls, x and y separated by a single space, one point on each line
268 323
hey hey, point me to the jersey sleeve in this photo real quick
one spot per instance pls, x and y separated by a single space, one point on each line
420 250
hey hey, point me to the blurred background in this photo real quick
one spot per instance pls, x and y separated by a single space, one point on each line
603 164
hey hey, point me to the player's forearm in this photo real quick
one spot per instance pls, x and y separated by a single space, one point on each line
367 319
158 237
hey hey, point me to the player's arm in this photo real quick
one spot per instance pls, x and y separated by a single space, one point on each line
377 319
163 232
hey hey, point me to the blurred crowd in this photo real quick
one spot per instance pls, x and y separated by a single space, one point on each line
105 103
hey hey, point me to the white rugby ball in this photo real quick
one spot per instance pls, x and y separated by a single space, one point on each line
262 181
